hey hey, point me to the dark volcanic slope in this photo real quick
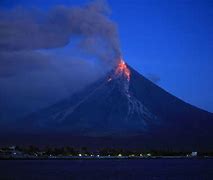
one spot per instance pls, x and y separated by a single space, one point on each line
172 111
104 108
179 121
114 106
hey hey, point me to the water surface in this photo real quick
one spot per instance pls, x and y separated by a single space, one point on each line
156 169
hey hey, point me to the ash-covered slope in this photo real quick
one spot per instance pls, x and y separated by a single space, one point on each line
125 104
106 107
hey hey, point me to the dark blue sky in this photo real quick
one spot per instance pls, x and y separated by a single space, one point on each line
170 41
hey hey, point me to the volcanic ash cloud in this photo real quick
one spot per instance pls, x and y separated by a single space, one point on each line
27 30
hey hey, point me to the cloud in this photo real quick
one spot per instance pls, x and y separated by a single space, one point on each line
18 62
153 77
23 93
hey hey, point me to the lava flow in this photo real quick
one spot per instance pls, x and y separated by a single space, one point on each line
123 69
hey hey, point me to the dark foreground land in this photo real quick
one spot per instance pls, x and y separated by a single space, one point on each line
146 169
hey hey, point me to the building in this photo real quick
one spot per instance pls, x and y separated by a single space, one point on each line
194 154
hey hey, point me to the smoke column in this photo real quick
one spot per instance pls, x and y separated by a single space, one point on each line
27 30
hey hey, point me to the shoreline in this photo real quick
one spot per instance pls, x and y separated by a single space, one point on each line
107 158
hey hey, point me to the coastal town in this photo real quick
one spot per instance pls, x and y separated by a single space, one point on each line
33 152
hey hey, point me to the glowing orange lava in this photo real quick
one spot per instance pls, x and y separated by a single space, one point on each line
123 69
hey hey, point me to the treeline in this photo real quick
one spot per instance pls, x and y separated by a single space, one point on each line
54 151
71 151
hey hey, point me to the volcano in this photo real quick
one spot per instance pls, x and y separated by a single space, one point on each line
126 109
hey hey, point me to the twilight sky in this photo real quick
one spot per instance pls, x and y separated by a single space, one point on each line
170 42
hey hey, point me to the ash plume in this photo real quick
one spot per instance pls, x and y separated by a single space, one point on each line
153 77
24 30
